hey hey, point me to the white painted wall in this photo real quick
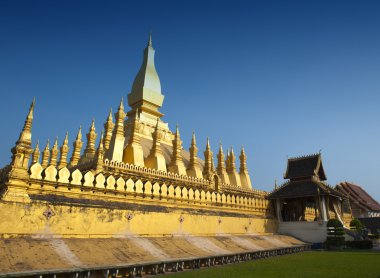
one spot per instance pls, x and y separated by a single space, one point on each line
312 232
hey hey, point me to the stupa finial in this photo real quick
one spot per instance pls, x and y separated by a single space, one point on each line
121 105
150 39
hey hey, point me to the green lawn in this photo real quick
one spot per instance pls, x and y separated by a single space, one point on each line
358 264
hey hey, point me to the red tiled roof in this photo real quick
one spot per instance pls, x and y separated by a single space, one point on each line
359 196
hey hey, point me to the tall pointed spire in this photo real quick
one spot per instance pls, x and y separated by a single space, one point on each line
176 164
208 167
108 126
155 159
64 151
116 145
46 154
22 150
221 170
89 152
26 133
244 176
36 154
77 148
54 153
146 89
194 169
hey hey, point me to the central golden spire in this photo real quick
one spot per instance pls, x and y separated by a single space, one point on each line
146 93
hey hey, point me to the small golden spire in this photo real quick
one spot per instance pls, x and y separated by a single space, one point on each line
121 105
156 139
208 144
245 178
110 117
108 126
22 150
243 161
212 163
155 159
177 147
228 161
77 148
133 152
36 154
54 153
46 154
100 155
79 134
176 164
135 138
120 116
26 133
193 141
193 151
66 140
220 167
232 160
92 128
89 152
208 168
194 168
64 151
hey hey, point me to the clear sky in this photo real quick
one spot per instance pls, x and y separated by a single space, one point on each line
283 78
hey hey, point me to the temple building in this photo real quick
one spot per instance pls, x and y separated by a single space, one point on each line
145 140
306 202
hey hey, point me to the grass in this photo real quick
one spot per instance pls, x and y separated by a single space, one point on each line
307 264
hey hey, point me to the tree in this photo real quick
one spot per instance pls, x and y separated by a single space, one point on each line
356 225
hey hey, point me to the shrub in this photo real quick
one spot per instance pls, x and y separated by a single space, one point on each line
356 225
335 234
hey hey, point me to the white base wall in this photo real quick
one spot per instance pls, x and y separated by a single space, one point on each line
312 232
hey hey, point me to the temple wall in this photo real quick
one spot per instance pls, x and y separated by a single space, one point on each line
87 222
68 203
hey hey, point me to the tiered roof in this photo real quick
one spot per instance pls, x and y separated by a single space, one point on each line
305 167
306 179
359 196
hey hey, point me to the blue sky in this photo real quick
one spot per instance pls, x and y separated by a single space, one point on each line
283 78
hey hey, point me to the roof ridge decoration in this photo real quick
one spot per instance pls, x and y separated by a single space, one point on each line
304 156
